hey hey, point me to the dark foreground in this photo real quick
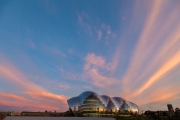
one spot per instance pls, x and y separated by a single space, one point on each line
90 118
54 118
149 118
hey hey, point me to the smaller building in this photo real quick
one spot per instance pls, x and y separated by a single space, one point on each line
170 108
46 113
170 112
53 118
177 110
4 114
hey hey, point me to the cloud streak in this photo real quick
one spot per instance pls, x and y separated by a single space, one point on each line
156 54
170 64
12 75
32 94
11 101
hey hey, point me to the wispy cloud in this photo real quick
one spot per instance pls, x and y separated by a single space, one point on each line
83 20
102 32
105 32
11 101
53 51
93 61
37 95
69 75
10 96
107 28
99 33
12 75
92 67
167 66
48 97
155 55
57 52
100 80
158 99
64 86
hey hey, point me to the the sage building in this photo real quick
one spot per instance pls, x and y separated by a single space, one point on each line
92 104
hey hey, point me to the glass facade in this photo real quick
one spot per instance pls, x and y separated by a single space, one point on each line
91 104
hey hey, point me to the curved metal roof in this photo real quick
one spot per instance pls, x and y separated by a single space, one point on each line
117 101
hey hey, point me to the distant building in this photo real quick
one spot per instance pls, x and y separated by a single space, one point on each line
53 118
170 112
156 113
91 104
170 108
177 110
42 114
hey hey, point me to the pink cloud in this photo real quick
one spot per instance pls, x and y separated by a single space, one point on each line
100 80
93 60
17 106
167 66
154 57
37 96
161 96
99 33
12 75
48 96
16 102
94 68
9 97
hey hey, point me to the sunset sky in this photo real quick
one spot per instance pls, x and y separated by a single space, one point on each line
51 50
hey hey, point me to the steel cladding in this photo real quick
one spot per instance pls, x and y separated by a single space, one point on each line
90 101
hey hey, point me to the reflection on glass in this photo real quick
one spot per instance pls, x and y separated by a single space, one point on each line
91 104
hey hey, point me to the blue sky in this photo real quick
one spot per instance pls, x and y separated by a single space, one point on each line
52 50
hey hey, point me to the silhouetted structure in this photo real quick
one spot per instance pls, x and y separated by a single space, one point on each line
177 110
170 108
170 113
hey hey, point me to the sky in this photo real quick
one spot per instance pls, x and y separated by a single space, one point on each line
52 50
